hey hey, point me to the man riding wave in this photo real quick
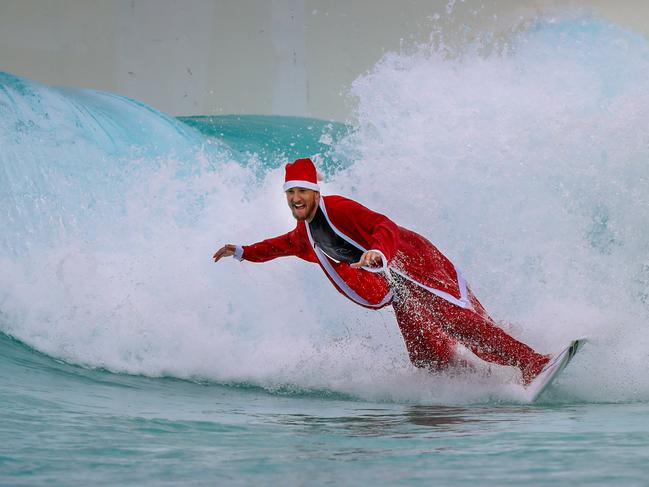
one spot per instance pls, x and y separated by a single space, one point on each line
375 263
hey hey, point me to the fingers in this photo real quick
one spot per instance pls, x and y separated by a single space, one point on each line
368 259
361 262
225 251
374 258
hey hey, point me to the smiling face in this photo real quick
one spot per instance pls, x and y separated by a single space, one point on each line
303 203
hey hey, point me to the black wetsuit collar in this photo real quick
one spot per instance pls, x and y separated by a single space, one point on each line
332 244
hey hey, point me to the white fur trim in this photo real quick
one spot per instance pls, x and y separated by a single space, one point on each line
238 253
463 302
301 184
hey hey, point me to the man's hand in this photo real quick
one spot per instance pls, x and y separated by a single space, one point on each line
371 258
226 251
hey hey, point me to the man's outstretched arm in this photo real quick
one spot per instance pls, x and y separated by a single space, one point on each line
291 243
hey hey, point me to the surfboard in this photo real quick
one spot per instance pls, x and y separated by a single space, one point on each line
553 368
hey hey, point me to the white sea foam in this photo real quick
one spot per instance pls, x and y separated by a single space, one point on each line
530 171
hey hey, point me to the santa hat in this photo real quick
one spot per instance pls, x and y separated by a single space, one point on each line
301 174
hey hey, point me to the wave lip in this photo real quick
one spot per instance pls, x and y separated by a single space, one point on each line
69 155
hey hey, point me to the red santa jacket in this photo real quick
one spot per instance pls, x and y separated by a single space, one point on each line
408 255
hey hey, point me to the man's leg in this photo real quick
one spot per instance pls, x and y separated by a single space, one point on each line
427 344
430 327
475 329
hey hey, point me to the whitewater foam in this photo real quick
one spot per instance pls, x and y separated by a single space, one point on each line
529 171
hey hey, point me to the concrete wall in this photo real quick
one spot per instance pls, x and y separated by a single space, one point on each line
285 57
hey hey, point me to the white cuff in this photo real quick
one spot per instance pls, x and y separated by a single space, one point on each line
238 253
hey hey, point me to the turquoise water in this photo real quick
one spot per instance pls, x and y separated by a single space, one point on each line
128 357
274 139
67 425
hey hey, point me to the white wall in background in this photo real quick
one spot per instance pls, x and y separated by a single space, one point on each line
285 57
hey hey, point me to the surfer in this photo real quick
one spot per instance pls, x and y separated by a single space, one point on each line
376 263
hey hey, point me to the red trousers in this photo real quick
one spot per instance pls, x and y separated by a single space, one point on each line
431 327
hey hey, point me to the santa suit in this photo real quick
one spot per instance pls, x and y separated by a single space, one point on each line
433 305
